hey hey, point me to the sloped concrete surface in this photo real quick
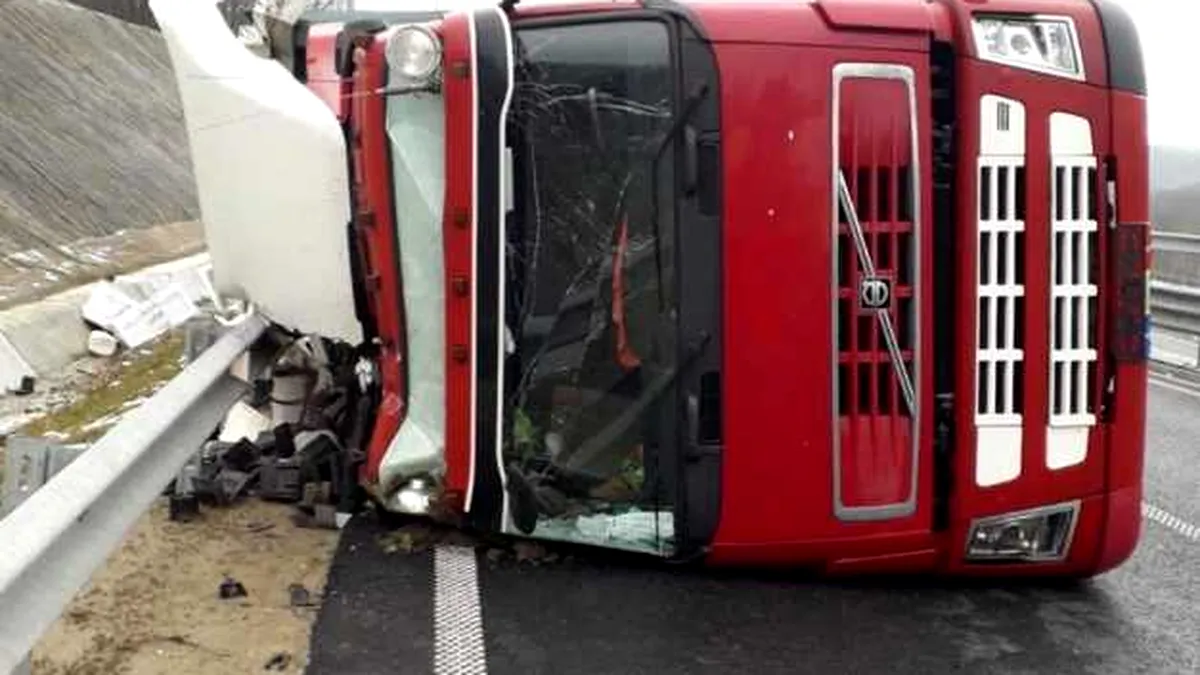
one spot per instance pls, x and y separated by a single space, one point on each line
92 136
44 337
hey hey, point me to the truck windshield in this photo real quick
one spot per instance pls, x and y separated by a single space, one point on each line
589 282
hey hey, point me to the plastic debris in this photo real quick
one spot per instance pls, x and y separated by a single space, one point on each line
231 588
230 485
135 314
529 552
102 343
243 422
25 386
298 596
279 661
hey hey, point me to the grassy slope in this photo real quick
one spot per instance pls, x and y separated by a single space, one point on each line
147 369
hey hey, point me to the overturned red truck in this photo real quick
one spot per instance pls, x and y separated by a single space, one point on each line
851 284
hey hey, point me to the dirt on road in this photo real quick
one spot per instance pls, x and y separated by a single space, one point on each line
154 607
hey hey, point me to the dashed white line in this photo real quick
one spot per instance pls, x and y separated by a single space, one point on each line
1171 521
458 647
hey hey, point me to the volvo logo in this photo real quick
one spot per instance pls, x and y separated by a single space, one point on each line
875 294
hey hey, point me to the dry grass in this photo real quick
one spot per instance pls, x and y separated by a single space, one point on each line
135 378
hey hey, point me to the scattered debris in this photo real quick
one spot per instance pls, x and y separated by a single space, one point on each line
280 479
102 343
325 516
230 485
25 386
243 422
290 388
183 508
280 661
408 539
528 551
298 596
138 313
231 588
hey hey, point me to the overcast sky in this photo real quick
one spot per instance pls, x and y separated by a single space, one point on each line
1170 34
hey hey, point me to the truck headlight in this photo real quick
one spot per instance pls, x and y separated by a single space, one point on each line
415 52
1047 44
415 497
1038 535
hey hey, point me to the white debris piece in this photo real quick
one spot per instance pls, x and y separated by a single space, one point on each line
102 343
243 421
134 316
106 303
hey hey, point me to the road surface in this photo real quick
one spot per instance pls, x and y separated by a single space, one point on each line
438 612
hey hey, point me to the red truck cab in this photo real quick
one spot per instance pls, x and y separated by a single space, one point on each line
857 286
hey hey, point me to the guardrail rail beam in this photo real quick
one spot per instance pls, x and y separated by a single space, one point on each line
57 538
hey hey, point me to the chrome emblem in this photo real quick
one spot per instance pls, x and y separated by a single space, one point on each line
874 294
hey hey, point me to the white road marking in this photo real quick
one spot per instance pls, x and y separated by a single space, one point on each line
1171 521
458 647
1168 520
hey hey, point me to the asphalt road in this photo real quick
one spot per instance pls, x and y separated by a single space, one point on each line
620 617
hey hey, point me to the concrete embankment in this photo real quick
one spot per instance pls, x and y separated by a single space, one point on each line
92 138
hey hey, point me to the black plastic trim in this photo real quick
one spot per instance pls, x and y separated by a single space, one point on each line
494 63
699 227
344 45
361 303
1126 68
945 153
683 13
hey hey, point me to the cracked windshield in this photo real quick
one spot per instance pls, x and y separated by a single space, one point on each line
591 283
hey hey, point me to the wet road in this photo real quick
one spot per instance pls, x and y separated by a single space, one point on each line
619 617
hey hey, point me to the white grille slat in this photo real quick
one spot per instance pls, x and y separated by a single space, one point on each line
999 353
1073 352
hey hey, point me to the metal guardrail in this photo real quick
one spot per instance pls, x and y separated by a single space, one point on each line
1175 306
1177 242
55 540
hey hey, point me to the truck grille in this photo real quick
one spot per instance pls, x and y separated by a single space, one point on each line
1074 243
1001 293
876 232
1001 253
